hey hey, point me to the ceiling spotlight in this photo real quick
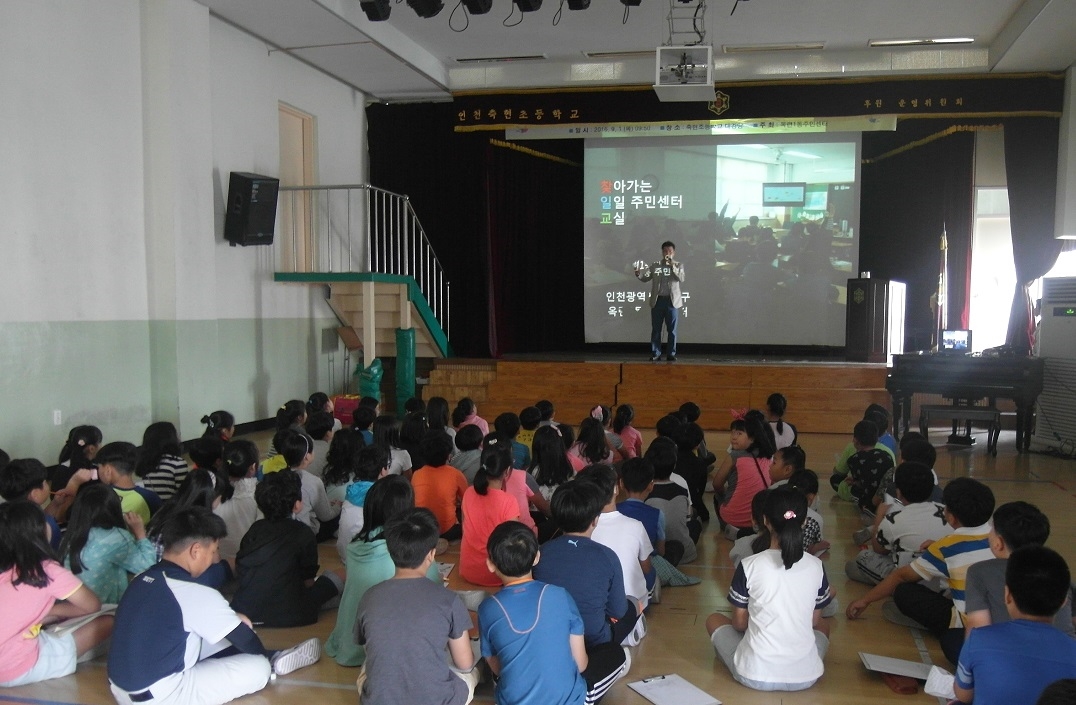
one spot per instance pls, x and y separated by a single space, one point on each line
578 4
478 7
376 10
426 8
528 5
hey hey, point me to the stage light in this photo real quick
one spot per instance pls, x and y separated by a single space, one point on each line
376 10
426 8
478 7
528 5
578 4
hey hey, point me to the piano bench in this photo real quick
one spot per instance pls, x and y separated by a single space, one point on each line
967 414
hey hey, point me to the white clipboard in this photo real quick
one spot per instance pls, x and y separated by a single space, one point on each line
896 666
671 689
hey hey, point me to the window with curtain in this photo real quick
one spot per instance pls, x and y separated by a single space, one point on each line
993 274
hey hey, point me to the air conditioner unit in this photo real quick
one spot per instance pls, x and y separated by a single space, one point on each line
1057 331
1055 414
684 73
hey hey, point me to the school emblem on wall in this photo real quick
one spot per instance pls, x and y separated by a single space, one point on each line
720 104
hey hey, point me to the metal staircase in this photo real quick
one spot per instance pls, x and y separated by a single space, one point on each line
368 247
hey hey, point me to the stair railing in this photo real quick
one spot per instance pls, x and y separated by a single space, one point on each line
359 228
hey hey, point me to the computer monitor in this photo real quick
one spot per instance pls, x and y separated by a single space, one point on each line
958 341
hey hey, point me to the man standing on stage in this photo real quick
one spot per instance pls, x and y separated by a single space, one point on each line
665 300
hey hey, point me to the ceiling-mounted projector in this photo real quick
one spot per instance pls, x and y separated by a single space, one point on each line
684 73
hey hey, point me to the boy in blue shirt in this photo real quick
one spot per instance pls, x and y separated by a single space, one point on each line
637 481
592 575
1014 661
532 635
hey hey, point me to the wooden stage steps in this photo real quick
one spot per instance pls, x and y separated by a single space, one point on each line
823 397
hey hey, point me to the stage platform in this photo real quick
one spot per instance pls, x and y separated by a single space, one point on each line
824 396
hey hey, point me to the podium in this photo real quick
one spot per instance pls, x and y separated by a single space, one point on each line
874 327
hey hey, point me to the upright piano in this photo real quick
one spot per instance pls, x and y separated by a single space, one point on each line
968 378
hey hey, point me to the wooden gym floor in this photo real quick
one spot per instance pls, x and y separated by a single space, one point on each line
677 641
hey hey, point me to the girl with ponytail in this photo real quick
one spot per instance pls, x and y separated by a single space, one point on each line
485 507
220 424
78 453
238 508
784 433
775 638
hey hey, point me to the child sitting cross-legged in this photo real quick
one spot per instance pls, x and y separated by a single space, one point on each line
36 590
841 469
806 482
1014 526
776 638
637 481
867 467
439 487
278 560
626 536
368 563
968 506
406 622
177 642
1014 661
592 575
103 546
532 634
903 528
673 500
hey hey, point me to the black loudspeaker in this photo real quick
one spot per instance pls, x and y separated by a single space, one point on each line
251 215
376 10
478 7
426 8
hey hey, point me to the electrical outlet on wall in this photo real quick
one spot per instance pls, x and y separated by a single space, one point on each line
57 417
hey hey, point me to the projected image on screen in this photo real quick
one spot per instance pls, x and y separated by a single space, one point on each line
767 232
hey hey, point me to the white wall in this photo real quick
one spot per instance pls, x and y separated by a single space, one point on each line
71 161
247 84
121 121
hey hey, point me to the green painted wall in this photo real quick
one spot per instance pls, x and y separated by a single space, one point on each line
122 375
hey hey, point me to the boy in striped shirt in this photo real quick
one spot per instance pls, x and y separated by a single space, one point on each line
968 507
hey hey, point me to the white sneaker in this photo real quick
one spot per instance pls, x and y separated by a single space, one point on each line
636 634
302 655
472 598
627 659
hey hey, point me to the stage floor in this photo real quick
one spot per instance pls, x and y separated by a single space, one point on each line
643 356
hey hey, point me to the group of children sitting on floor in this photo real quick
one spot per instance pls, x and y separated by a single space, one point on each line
535 510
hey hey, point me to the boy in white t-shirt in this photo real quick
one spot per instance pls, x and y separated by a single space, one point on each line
899 533
626 536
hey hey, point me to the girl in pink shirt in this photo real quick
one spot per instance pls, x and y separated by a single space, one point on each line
633 440
742 475
592 446
36 590
467 413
